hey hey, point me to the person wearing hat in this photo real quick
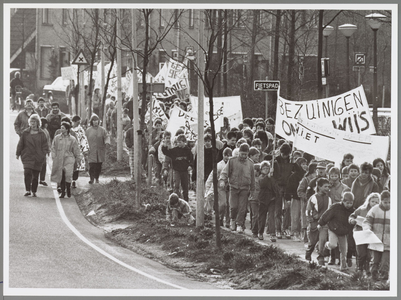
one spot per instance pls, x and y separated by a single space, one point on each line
336 218
65 151
42 110
283 168
301 192
21 121
32 148
97 139
42 177
291 194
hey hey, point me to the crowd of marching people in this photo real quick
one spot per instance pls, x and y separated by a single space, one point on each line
287 193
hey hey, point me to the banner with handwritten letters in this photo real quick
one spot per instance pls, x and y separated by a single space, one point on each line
229 107
174 75
331 144
68 73
181 119
348 112
158 112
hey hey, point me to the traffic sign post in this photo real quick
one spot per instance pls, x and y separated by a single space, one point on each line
359 59
81 60
267 86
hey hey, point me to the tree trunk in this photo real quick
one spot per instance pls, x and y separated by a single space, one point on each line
319 56
219 48
225 55
252 57
276 45
291 54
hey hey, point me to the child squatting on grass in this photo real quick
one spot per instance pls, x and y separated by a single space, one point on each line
178 208
336 217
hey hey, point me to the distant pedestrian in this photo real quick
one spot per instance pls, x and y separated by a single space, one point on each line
83 144
65 151
42 110
54 119
32 148
42 178
97 139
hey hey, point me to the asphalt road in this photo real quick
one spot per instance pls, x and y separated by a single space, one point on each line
52 246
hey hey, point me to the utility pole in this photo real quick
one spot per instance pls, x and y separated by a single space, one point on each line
119 96
201 106
102 80
135 114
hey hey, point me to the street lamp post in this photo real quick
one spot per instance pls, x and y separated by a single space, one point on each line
326 32
374 21
348 30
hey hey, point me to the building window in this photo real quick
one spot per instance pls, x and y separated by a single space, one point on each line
162 21
64 17
191 18
46 16
45 55
64 57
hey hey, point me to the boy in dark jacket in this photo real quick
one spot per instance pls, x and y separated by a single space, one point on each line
181 157
317 205
336 217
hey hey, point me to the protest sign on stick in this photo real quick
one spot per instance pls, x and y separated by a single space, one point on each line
348 112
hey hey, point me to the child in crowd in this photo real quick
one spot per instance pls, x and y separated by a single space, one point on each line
178 208
247 123
337 188
181 157
363 185
166 172
363 254
344 174
254 155
336 217
240 175
254 203
385 174
353 173
222 191
348 159
317 205
208 154
378 221
291 194
376 174
301 191
248 135
230 143
320 173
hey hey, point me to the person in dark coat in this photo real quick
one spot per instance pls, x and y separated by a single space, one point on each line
32 148
42 110
230 143
209 151
54 119
364 185
336 217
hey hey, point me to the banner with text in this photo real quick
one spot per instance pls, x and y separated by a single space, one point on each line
347 112
181 119
174 75
332 144
158 112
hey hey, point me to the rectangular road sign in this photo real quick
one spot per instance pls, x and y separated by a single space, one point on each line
266 85
358 68
155 87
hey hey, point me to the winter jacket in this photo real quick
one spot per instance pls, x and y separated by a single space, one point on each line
239 174
336 217
83 145
312 187
361 211
209 182
207 163
97 144
293 183
378 220
42 112
348 182
268 189
337 190
302 187
362 191
32 148
283 169
54 122
181 157
65 151
316 206
21 122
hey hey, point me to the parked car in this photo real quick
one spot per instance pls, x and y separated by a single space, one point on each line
59 90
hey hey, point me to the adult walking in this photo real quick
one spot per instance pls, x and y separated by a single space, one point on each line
21 122
32 148
97 139
65 151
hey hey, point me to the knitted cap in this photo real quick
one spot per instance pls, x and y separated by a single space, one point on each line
348 196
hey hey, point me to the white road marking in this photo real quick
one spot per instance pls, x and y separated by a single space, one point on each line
82 238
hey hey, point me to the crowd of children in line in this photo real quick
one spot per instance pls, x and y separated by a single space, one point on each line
288 193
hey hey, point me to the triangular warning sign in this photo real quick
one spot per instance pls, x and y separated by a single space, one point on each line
80 59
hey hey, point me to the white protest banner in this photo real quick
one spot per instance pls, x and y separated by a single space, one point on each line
68 73
332 144
348 112
232 109
174 75
180 118
158 112
366 237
